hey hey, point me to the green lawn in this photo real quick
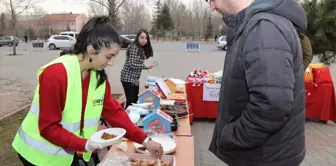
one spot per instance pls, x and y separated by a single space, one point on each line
8 128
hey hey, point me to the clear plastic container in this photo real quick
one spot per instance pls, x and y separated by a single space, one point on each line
122 159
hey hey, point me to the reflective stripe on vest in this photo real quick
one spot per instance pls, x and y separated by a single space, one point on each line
41 145
71 127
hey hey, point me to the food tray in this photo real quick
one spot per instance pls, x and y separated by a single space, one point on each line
172 111
121 159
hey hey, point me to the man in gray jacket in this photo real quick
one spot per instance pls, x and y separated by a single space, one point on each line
261 111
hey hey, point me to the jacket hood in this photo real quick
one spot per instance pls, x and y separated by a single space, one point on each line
230 22
290 9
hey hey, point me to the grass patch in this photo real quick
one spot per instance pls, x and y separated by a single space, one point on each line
8 128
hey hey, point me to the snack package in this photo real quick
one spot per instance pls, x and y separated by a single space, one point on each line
124 159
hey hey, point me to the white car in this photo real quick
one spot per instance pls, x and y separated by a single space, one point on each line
130 37
69 33
221 43
60 41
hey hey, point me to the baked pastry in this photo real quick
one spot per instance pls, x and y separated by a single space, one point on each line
146 162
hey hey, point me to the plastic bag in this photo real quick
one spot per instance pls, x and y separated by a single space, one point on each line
138 110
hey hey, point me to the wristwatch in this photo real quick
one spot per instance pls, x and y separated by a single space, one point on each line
147 139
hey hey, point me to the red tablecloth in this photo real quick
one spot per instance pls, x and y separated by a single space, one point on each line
321 102
197 107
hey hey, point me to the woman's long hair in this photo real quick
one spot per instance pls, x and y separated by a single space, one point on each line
147 47
99 33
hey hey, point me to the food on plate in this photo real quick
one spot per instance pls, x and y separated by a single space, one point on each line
107 136
146 162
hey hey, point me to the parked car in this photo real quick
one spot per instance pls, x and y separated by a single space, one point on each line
60 41
125 42
129 36
221 43
9 41
70 33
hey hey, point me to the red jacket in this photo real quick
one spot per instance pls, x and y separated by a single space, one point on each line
53 87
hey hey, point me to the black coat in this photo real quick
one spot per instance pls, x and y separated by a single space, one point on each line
261 112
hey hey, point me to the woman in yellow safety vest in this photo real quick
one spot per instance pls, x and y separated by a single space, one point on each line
72 94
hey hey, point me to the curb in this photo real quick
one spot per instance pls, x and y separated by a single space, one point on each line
15 111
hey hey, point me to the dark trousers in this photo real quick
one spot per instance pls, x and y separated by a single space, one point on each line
27 163
131 93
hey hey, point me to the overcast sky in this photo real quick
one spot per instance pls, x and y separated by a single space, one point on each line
75 6
58 6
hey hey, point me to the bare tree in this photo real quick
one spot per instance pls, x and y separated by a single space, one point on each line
195 19
39 11
218 24
96 8
3 24
15 8
135 17
107 3
112 7
176 11
190 18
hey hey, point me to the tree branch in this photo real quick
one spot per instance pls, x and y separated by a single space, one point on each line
119 5
101 3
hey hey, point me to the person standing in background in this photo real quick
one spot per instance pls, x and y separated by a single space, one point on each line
26 38
136 54
306 50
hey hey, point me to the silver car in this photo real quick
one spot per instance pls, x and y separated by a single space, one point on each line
221 43
8 40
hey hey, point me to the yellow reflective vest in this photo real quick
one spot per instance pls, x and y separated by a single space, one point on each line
33 147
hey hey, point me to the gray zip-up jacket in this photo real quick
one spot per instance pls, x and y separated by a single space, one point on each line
261 111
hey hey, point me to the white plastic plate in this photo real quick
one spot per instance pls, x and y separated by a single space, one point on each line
96 137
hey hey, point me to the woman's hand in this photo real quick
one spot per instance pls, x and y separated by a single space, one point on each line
154 148
90 146
149 66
